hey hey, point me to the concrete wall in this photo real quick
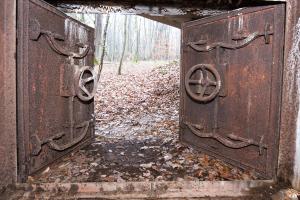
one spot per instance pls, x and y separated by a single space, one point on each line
8 155
289 158
289 162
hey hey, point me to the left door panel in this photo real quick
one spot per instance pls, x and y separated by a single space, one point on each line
56 82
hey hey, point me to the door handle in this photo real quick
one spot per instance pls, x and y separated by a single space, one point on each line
82 91
203 83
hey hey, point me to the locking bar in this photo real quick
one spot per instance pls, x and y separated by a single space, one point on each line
202 46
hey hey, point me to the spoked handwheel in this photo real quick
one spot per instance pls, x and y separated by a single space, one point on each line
204 83
83 88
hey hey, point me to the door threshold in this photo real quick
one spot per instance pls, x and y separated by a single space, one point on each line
260 189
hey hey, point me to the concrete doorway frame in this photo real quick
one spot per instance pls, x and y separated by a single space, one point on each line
289 151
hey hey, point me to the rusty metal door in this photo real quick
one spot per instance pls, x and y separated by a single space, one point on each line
231 86
56 85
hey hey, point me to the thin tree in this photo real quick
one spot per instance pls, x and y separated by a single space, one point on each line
124 46
98 37
104 43
137 39
114 34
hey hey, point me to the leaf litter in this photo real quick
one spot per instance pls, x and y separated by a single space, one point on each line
137 128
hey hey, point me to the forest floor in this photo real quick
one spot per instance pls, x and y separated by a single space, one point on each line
137 127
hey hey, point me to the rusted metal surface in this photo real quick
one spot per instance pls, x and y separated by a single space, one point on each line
244 50
56 85
8 150
289 151
151 190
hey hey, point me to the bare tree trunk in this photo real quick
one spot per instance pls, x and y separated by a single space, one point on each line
137 40
98 37
104 43
124 46
113 52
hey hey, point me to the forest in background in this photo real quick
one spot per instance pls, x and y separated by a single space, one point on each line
131 38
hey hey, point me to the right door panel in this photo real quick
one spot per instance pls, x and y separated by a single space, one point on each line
231 78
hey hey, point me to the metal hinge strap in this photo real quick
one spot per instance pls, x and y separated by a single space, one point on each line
61 50
36 31
58 147
37 143
202 46
231 140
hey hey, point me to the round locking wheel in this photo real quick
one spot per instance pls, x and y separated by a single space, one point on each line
84 90
207 85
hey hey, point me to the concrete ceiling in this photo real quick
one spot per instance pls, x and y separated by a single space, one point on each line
171 12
